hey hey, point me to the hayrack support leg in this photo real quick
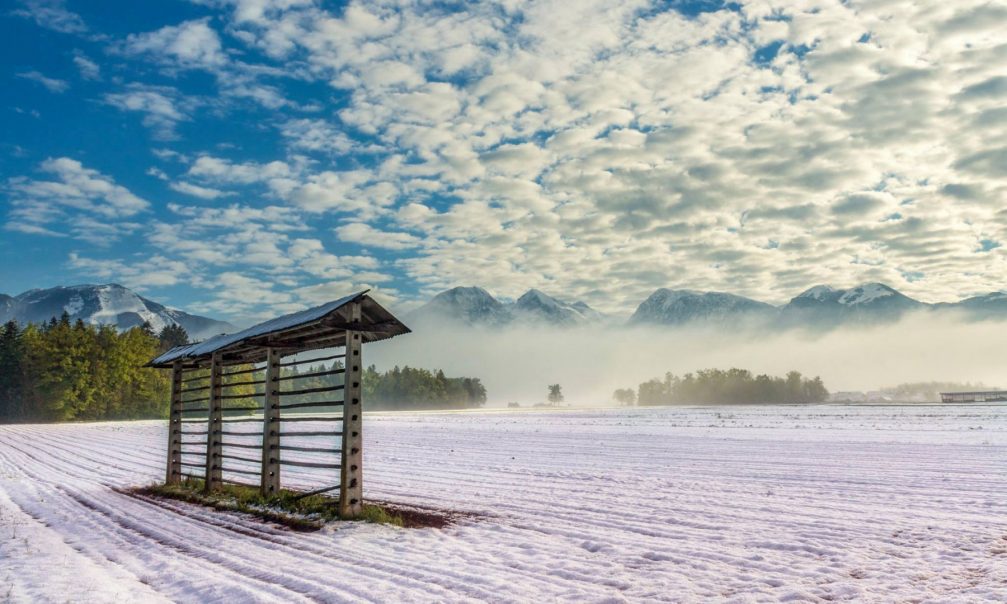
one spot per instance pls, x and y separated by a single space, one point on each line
351 487
173 468
214 426
271 426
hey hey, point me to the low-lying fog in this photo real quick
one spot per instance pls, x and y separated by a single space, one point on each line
516 364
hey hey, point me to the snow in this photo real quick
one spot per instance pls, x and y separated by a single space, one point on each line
535 305
819 292
865 293
74 306
739 504
114 300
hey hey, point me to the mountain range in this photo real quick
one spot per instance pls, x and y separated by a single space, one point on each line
109 304
820 307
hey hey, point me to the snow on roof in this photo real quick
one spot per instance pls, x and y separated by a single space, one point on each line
286 322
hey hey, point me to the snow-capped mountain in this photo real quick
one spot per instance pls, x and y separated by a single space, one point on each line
466 305
820 307
823 305
109 304
476 306
682 306
535 306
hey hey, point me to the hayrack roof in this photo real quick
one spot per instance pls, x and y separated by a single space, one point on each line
323 326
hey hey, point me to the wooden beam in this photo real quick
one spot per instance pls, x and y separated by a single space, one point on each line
383 327
270 484
351 483
173 468
215 423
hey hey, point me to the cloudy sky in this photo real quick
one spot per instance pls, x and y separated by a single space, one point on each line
240 158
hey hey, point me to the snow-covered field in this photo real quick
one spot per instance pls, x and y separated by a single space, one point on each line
820 503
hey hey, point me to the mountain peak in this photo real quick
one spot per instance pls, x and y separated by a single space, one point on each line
472 305
868 292
818 292
537 306
680 306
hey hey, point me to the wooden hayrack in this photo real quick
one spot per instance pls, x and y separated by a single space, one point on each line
207 375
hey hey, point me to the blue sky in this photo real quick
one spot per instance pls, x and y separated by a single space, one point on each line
240 158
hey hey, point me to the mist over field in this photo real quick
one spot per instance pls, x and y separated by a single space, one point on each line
516 364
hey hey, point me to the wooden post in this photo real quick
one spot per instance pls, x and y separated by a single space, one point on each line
214 425
351 483
271 426
173 469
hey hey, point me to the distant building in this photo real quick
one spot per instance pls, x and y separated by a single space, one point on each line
988 396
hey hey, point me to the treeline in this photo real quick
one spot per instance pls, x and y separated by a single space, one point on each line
412 388
63 371
719 387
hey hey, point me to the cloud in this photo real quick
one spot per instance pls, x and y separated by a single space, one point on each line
368 236
607 148
163 107
89 70
156 271
316 135
52 14
50 84
80 201
198 191
189 44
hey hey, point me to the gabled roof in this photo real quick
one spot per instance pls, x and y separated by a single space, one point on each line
323 326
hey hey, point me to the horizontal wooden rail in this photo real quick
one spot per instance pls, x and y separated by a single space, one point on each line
196 410
192 465
196 400
311 433
306 405
241 420
196 433
309 464
248 383
241 446
225 433
308 449
243 371
249 472
239 458
314 360
316 492
196 389
249 395
308 375
307 390
312 418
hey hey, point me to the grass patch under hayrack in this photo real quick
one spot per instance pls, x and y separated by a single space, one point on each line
290 508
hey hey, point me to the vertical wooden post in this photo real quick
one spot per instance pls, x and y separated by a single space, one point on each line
271 426
214 425
351 483
173 469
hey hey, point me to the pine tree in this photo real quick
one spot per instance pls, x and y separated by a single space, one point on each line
10 372
173 335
